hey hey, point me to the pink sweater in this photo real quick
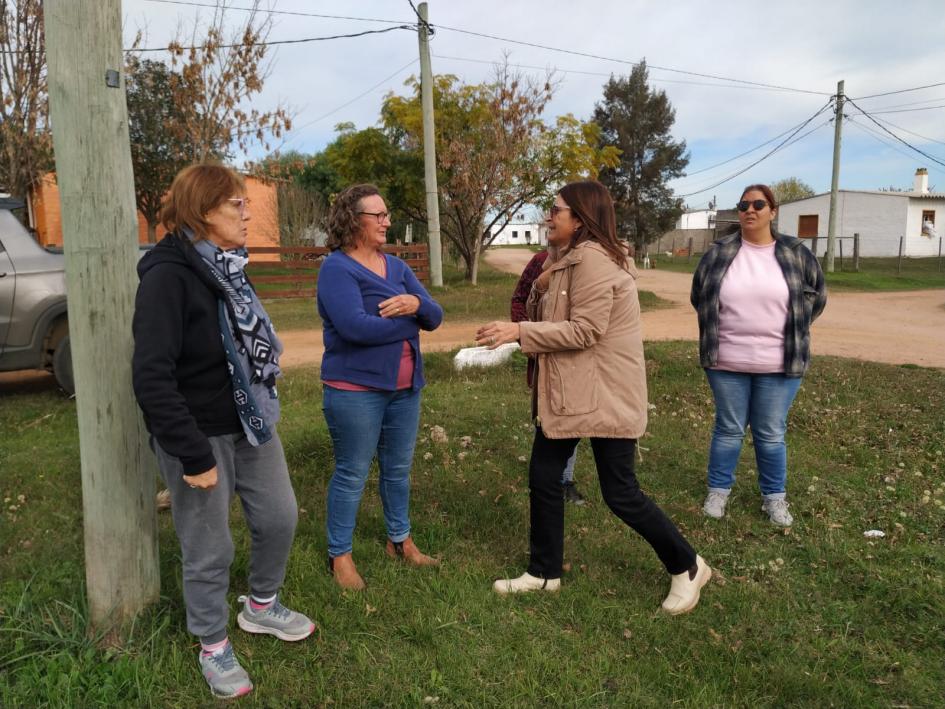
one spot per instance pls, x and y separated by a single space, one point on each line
753 306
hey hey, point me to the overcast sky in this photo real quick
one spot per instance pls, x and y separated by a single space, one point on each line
875 46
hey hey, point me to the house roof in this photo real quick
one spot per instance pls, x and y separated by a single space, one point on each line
887 193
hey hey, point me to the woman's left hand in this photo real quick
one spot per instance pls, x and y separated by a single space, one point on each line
399 305
497 333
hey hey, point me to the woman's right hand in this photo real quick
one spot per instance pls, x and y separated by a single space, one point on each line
204 481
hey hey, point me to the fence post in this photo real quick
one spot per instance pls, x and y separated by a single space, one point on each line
899 263
689 250
856 252
939 253
840 241
813 248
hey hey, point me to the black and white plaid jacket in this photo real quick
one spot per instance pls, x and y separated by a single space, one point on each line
806 289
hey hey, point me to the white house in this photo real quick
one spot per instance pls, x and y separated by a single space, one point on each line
696 219
879 217
519 232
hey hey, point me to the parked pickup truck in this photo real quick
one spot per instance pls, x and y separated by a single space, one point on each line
34 330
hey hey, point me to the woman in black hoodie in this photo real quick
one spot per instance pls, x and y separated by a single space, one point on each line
205 365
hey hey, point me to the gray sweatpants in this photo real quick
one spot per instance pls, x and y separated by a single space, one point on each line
260 477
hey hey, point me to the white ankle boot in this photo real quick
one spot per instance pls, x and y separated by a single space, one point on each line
683 592
524 583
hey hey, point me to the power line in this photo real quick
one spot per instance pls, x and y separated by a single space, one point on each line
608 74
900 91
631 63
917 135
911 103
904 142
784 143
280 41
910 110
277 12
347 103
877 136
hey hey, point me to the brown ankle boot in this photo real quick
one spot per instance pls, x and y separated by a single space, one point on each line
408 551
345 572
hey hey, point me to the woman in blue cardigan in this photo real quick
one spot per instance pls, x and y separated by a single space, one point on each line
373 308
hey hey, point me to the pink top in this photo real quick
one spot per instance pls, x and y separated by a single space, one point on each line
404 374
753 306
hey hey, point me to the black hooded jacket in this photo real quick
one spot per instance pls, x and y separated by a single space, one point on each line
179 370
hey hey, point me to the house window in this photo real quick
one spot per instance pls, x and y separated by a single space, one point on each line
927 227
807 226
514 234
528 235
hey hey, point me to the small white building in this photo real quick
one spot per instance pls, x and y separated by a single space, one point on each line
879 217
696 219
519 232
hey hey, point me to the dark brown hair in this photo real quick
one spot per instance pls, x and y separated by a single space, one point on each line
766 191
344 221
590 202
197 190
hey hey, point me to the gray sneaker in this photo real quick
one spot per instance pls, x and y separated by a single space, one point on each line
778 512
714 505
223 673
275 620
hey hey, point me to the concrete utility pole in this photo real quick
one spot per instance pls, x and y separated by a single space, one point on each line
429 150
100 238
834 180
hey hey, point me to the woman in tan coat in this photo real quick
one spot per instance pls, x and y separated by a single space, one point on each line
585 332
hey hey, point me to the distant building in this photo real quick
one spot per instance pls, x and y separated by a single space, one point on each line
696 219
519 232
262 228
879 217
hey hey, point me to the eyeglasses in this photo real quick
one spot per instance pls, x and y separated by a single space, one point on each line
380 216
758 204
553 212
241 204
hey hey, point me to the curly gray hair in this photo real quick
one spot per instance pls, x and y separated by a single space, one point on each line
344 220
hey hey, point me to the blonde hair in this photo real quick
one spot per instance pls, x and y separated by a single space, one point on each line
197 190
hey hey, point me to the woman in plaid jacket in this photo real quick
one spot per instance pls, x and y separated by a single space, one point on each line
756 293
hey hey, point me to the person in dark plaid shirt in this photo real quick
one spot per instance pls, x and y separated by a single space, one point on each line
756 293
519 298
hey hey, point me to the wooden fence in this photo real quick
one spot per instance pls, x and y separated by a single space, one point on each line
295 274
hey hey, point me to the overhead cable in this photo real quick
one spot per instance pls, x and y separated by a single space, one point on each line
901 140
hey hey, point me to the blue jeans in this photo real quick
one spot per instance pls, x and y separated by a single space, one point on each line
761 401
362 424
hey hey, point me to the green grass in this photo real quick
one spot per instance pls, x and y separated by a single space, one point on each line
461 302
818 616
875 274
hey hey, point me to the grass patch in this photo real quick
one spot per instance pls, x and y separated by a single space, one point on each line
819 616
461 301
875 274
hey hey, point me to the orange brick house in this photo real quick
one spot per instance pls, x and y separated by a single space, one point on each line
263 226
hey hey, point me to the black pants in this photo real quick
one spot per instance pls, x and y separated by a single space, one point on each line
614 458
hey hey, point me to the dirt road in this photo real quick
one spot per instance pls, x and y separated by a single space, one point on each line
906 327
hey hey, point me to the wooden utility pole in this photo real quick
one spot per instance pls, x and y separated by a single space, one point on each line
429 150
834 180
100 239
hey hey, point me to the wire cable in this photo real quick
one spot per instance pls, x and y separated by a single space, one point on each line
904 142
911 132
280 41
784 143
215 6
877 136
627 61
900 91
909 110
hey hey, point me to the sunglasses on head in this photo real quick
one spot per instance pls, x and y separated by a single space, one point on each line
758 204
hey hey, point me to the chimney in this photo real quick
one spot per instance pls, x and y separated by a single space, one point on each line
921 184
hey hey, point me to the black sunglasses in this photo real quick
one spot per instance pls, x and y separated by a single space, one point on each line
758 204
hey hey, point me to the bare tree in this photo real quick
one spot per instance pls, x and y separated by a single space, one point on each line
221 71
25 140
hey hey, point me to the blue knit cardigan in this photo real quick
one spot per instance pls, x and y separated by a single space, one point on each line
360 346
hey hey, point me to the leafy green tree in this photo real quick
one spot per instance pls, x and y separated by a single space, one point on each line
791 188
638 121
495 154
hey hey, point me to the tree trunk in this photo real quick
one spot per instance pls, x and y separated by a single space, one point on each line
474 266
152 232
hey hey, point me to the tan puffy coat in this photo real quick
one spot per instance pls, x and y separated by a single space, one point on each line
587 335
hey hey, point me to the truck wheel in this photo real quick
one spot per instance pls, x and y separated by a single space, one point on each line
62 366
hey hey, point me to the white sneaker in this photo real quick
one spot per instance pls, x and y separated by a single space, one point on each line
777 510
714 505
525 583
684 592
